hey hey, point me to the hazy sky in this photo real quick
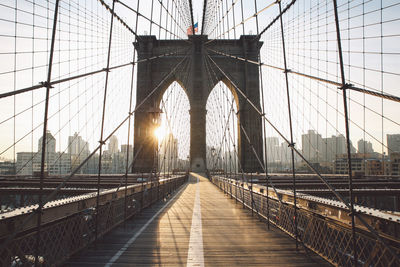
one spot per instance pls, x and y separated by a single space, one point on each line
82 41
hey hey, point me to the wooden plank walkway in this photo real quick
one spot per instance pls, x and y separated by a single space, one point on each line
198 226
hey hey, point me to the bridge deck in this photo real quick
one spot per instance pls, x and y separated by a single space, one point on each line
176 233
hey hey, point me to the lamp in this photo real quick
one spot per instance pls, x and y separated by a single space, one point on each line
155 116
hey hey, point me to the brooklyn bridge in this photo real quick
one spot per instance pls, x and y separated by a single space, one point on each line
199 133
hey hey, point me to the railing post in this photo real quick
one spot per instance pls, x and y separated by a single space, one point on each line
102 123
142 204
251 194
45 120
346 120
291 145
243 190
236 186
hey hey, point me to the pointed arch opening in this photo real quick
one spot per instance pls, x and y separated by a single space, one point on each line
222 129
173 134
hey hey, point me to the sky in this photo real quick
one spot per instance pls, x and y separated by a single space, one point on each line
81 46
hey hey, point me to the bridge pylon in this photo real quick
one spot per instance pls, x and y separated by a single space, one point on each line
198 80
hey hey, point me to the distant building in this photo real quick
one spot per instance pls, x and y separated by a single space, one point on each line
374 167
61 164
279 157
106 163
168 153
77 146
323 150
364 146
363 163
119 162
7 167
313 146
92 166
78 150
124 148
50 143
341 165
394 164
113 145
273 149
29 163
335 145
55 163
393 143
25 163
116 162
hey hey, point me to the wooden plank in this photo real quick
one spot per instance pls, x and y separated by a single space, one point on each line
231 236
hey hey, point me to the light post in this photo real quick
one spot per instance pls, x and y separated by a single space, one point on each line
188 164
213 155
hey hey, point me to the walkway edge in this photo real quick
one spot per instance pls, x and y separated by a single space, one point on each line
138 233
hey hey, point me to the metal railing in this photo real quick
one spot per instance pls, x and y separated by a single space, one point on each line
68 225
322 226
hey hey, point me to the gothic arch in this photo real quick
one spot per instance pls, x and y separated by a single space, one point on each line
193 78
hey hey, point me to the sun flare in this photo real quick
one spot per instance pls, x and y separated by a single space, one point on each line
160 133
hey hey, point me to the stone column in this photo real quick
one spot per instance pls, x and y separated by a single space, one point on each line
198 139
145 141
249 118
198 98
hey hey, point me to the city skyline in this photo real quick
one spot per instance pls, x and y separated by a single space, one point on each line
79 144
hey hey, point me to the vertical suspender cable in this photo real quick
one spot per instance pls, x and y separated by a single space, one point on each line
46 112
290 125
102 123
262 121
204 16
191 16
241 5
159 24
151 16
346 119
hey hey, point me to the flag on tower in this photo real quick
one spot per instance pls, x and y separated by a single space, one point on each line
189 29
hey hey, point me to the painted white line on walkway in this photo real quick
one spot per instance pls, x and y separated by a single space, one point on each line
195 254
133 238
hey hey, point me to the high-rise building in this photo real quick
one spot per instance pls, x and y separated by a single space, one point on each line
119 162
124 148
335 145
318 149
113 145
78 151
50 143
393 143
56 163
364 146
77 146
313 146
168 153
272 144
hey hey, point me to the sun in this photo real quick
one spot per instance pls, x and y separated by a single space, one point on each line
160 133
